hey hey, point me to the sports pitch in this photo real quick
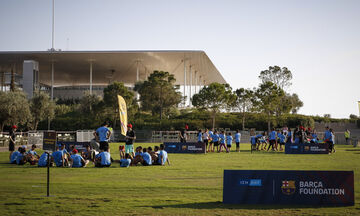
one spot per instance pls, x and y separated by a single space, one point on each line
192 185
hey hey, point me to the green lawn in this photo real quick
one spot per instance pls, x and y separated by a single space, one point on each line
192 185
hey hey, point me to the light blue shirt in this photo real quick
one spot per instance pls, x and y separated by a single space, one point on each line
76 160
19 158
229 139
328 135
272 135
162 157
237 137
147 157
14 156
58 157
32 152
102 133
125 162
282 138
105 158
200 137
215 137
43 160
222 138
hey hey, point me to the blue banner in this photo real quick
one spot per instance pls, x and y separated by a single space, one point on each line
191 147
288 187
307 148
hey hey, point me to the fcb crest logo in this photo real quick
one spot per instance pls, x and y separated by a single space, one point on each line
307 148
288 187
184 147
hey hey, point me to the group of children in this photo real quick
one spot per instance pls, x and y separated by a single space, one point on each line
63 158
278 138
219 140
144 156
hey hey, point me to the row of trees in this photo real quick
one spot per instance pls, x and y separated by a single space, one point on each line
158 96
269 98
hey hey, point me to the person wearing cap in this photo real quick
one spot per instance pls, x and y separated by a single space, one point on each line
102 134
129 140
12 138
77 160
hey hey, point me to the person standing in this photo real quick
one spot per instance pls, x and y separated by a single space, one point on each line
206 139
237 140
129 140
12 137
272 140
102 134
183 136
347 136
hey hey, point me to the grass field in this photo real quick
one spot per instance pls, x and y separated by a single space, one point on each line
192 185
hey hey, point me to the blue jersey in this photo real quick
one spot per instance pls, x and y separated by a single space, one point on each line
76 160
162 157
200 137
222 138
14 156
58 157
138 153
102 133
105 158
125 162
272 135
237 137
259 136
229 139
281 137
215 137
252 140
32 152
43 160
19 158
327 135
147 158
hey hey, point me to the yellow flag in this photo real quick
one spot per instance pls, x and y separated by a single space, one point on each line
123 115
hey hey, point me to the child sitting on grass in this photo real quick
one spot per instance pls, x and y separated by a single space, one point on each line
126 161
77 160
103 159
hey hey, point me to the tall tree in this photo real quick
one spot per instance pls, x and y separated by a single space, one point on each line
41 108
279 76
214 98
14 108
244 102
111 99
268 98
159 94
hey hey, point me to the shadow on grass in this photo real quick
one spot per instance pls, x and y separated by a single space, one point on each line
352 150
220 205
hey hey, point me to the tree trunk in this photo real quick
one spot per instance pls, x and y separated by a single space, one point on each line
2 126
243 121
269 123
213 120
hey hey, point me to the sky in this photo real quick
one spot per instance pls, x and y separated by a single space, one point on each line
318 40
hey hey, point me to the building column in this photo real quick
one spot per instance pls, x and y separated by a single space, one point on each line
52 79
195 82
184 81
91 77
190 77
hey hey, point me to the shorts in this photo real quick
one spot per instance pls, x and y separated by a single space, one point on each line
229 146
216 143
237 144
129 148
206 142
11 146
122 148
100 165
144 163
272 142
104 144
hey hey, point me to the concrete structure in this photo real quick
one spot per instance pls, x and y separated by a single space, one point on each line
89 69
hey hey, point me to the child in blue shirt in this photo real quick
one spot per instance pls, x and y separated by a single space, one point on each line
43 161
215 138
199 137
229 140
146 158
272 140
222 142
125 162
77 160
237 140
103 159
14 156
211 141
21 158
163 156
